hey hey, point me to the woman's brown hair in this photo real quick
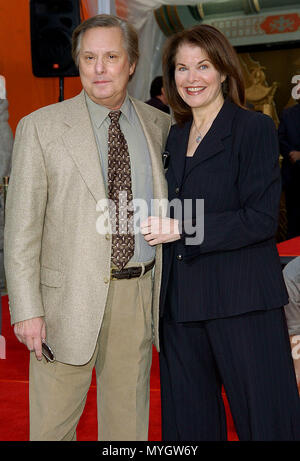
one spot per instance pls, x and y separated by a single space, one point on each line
221 54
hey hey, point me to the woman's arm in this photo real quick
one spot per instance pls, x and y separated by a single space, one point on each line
259 189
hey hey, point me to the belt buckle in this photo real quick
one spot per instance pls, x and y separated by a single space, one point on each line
112 277
128 276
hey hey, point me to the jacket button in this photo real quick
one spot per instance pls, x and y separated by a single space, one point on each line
106 280
177 190
107 236
179 257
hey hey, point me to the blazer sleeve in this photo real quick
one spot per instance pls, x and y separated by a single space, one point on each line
259 189
24 218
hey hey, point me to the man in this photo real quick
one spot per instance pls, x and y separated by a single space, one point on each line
291 274
6 144
84 290
157 93
289 139
6 136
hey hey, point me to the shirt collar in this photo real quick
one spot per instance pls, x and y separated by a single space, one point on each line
99 113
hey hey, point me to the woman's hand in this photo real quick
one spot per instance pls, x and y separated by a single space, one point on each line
160 230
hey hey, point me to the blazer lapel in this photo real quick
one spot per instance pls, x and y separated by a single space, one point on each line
212 142
153 134
81 144
177 160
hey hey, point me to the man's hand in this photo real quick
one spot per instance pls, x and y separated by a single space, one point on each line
160 230
294 156
295 346
31 333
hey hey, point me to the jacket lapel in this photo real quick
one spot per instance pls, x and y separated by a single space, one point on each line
212 142
81 144
180 143
153 134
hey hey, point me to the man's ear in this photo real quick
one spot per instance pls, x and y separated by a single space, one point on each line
132 68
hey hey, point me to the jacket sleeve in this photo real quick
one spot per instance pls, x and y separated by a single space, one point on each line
259 189
25 210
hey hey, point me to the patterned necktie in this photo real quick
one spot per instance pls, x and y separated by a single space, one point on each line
120 193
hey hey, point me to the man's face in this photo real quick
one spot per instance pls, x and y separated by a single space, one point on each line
104 66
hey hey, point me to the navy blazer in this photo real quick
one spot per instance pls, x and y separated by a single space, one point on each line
235 169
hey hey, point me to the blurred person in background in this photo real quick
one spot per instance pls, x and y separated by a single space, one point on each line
158 97
289 141
291 274
6 145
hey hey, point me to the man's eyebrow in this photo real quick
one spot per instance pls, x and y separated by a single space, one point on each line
106 52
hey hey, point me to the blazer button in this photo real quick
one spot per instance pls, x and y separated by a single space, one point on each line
106 280
107 236
179 257
177 190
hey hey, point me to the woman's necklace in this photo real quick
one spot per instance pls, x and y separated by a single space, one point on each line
199 137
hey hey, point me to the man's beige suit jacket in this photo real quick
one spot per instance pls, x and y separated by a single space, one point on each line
57 264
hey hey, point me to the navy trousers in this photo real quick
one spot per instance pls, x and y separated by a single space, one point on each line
250 355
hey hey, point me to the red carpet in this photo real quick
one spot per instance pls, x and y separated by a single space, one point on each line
14 394
289 247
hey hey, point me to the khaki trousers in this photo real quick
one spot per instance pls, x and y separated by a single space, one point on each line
122 361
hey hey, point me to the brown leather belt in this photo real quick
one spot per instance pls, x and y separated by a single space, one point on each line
130 272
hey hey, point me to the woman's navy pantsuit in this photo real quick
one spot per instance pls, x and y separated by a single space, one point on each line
222 321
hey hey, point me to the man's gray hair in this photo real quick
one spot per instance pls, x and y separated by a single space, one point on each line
130 36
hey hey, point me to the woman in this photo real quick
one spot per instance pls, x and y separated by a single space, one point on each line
221 317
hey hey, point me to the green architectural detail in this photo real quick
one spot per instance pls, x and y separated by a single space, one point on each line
239 7
174 18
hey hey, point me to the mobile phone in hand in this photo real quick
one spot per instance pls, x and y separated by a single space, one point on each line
47 352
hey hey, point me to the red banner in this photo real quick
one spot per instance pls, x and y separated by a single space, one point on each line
281 24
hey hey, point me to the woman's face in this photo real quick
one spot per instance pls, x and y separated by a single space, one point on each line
197 80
